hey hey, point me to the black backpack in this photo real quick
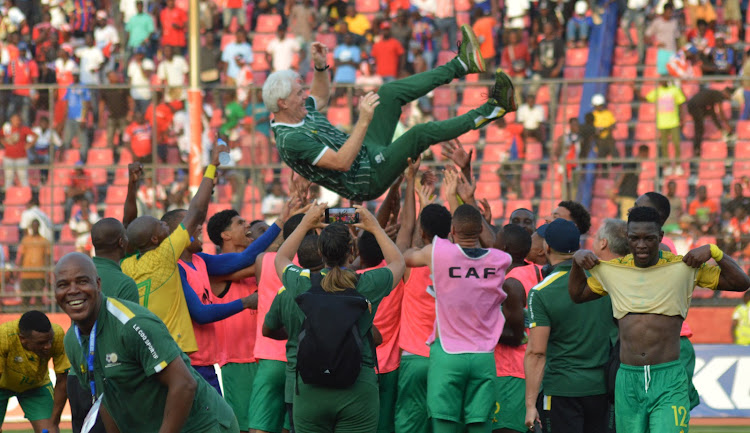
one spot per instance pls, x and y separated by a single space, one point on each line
329 352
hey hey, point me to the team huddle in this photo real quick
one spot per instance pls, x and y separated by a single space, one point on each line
419 318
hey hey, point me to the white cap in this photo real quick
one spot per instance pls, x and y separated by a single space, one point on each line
581 7
597 100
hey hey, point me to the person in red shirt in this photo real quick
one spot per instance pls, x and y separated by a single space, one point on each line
484 27
81 188
16 139
388 54
22 72
138 137
173 21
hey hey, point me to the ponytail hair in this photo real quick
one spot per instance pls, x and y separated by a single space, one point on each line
335 243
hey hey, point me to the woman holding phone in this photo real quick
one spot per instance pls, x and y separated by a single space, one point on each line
319 408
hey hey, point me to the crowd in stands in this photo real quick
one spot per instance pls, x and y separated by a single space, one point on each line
137 51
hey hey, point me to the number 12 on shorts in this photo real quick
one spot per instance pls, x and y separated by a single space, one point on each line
680 414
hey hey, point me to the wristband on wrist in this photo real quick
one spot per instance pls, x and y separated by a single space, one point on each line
210 172
322 69
716 253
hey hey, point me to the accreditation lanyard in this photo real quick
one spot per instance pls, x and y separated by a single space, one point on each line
90 359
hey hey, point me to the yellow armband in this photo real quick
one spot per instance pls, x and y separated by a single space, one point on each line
210 171
716 253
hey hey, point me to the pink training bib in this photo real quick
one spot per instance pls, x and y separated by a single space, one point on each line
211 337
388 322
468 295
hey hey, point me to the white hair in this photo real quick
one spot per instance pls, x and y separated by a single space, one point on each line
278 86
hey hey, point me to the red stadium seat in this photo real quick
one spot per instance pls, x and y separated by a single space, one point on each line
12 214
260 43
227 39
116 195
488 172
576 56
98 176
573 73
51 195
71 156
15 195
367 6
624 56
567 111
444 96
511 205
603 187
714 187
534 150
646 132
741 169
572 93
252 211
114 211
66 235
471 137
530 172
9 234
497 207
494 153
651 56
711 170
268 23
651 72
624 72
61 250
100 157
620 93
622 39
603 208
463 5
546 207
551 190
645 186
488 190
647 113
56 213
622 112
445 57
260 62
714 150
474 96
327 39
542 95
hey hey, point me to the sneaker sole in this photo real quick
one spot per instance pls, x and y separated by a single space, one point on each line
503 79
473 51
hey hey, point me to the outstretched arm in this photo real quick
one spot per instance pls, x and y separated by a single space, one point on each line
206 313
130 212
391 254
321 84
228 263
196 212
313 219
578 287
533 367
415 258
409 215
342 159
732 278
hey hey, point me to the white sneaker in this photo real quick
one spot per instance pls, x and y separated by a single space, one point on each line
679 171
668 171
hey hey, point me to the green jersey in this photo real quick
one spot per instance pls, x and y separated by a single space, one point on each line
132 346
579 340
115 284
302 145
284 312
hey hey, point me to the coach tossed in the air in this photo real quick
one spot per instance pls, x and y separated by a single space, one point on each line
651 291
363 165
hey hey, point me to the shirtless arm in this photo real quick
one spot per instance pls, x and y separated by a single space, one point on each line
513 312
342 159
578 287
732 277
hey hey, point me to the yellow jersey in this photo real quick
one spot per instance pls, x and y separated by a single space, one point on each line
665 288
741 315
23 370
160 289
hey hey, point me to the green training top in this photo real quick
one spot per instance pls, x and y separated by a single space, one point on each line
580 337
284 312
302 145
132 346
115 284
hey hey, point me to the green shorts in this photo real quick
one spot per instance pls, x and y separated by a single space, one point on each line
461 387
388 388
36 403
510 410
267 409
237 380
687 359
351 410
652 398
411 400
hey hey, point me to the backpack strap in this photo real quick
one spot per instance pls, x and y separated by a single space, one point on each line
315 280
371 340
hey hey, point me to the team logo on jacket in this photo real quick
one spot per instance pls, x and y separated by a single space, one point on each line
111 359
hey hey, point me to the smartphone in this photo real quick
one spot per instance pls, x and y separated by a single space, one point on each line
344 215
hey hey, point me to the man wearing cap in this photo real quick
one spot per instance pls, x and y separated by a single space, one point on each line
388 54
568 346
363 165
721 58
604 122
106 36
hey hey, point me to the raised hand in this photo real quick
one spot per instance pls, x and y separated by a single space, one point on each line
135 171
426 194
454 151
367 220
319 54
696 257
484 205
586 259
466 189
314 216
215 153
413 169
450 181
367 106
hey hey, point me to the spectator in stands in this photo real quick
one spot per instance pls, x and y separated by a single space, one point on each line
568 149
117 102
625 191
140 70
357 22
531 116
720 59
45 38
21 71
137 137
484 27
604 122
636 14
34 213
33 255
80 224
697 11
516 59
708 102
741 321
173 71
738 201
240 46
81 188
705 210
701 36
281 50
178 196
588 135
677 208
46 138
16 16
173 31
663 33
234 112
668 99
151 197
16 139
303 18
548 57
107 39
139 29
388 54
367 81
745 72
423 35
92 59
160 115
516 13
65 66
579 26
346 57
79 104
234 9
273 202
445 23
682 65
210 64
257 115
401 28
245 79
342 31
